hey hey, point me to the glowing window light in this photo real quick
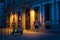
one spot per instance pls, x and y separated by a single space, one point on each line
32 11
32 18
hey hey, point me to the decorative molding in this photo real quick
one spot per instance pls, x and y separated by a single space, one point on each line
36 5
50 2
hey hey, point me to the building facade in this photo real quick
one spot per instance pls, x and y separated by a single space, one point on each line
41 10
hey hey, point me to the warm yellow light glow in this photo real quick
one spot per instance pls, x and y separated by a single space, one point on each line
19 18
16 20
32 12
41 19
11 19
32 18
23 20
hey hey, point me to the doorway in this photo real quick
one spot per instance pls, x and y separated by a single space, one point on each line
47 8
27 20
